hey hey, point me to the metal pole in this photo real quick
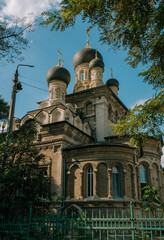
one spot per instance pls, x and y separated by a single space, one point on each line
12 105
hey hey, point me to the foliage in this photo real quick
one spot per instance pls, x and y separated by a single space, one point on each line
21 178
12 38
151 199
137 26
4 108
143 121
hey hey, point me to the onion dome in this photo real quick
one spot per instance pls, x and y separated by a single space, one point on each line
112 82
85 55
97 62
58 73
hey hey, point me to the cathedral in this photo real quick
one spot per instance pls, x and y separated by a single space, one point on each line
87 164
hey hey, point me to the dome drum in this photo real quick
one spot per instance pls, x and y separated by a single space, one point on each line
85 55
96 62
59 74
112 82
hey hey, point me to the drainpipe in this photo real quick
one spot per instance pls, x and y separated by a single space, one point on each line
63 184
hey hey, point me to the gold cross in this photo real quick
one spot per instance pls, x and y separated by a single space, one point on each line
96 53
62 62
87 31
60 53
111 72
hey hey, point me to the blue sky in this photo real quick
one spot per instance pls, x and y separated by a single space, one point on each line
43 54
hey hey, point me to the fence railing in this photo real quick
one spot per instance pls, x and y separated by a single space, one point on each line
93 225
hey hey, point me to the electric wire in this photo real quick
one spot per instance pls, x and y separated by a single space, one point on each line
34 87
33 80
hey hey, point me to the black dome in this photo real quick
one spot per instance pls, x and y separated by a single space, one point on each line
97 62
112 82
58 73
85 55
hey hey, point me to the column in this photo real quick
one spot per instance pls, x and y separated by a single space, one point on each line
68 185
109 183
94 183
125 183
134 186
160 183
150 176
81 184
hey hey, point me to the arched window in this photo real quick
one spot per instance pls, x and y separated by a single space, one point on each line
116 182
143 177
52 94
89 108
90 182
63 95
82 75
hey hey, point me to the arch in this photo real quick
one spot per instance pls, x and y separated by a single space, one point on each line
57 115
78 122
70 106
68 116
82 75
102 180
88 180
117 180
43 104
42 117
89 108
143 172
72 211
74 180
26 118
87 128
81 88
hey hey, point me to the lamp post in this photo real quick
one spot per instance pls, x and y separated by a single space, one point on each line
13 99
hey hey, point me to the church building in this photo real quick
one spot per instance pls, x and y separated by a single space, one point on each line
87 164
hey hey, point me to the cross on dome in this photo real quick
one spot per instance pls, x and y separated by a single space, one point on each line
96 53
60 53
88 36
62 62
111 72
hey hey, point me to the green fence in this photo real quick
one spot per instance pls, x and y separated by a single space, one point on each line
88 225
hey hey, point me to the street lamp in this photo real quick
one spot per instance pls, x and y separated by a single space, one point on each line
13 99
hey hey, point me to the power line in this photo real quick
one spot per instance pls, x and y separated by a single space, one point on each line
33 80
6 80
34 87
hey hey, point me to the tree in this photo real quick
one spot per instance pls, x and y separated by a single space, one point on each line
143 121
151 199
21 177
4 108
136 26
12 38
